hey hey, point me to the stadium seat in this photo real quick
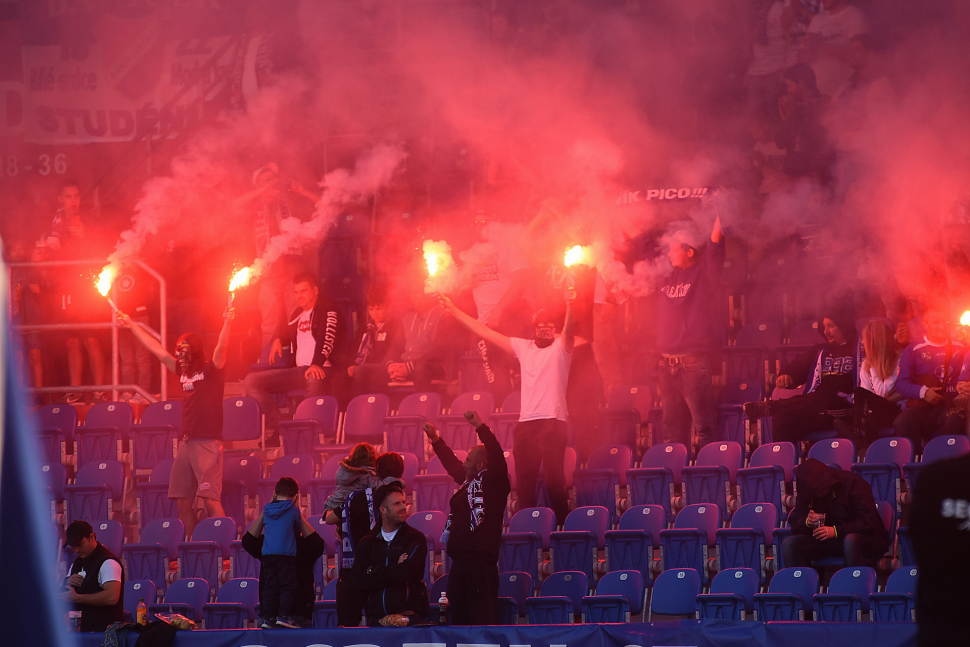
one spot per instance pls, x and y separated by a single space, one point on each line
619 426
575 547
454 429
834 452
153 502
513 590
847 597
936 449
321 569
747 360
136 591
771 467
298 466
364 421
155 438
599 483
789 595
149 558
432 524
314 421
731 596
653 482
241 419
632 545
104 435
675 593
730 407
56 423
241 563
743 545
560 599
433 491
686 544
111 534
202 556
240 476
883 466
520 549
712 479
898 602
906 555
321 487
55 475
619 595
411 470
568 468
404 431
185 596
503 423
234 606
325 609
97 486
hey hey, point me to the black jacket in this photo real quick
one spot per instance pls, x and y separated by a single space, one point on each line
387 344
845 499
484 540
393 587
939 525
326 326
93 617
308 551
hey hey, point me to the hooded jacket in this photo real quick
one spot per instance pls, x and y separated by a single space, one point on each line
281 524
393 586
326 326
812 367
843 497
308 551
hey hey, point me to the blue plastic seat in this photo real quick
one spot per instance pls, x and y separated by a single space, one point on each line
714 475
431 523
847 597
314 421
155 438
104 435
111 534
241 419
619 426
771 467
321 569
529 534
513 590
936 449
583 534
404 431
569 461
364 421
153 501
687 544
241 563
675 593
789 595
599 483
202 557
234 606
731 596
433 492
747 360
653 483
730 407
55 476
319 488
149 558
503 423
560 599
898 602
97 486
240 476
135 591
743 545
906 555
297 466
411 469
883 466
835 452
632 545
619 595
453 427
55 426
325 609
186 596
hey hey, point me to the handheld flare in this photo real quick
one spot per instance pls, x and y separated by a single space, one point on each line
105 279
239 280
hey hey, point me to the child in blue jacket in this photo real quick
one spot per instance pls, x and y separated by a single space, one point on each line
281 521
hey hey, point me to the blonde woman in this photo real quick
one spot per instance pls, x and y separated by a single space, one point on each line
876 401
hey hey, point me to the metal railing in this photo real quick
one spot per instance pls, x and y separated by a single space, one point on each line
113 325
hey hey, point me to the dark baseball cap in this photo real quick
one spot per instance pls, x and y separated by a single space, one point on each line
77 531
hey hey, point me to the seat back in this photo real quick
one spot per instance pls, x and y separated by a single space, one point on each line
481 401
55 476
167 532
111 534
638 397
765 334
856 580
62 417
675 592
945 447
673 456
330 467
890 450
512 402
324 409
94 444
241 419
364 420
618 458
804 333
111 414
110 473
834 451
887 512
516 585
151 444
781 454
421 404
241 590
742 581
162 473
903 580
541 521
297 466
247 469
221 530
628 584
192 591
728 454
435 466
411 469
158 414
431 523
594 519
567 584
741 391
703 516
759 516
649 518
136 590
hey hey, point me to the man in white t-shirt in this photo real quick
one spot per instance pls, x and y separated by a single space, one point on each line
826 46
540 435
97 579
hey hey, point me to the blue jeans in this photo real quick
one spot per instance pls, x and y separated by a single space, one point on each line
262 385
688 402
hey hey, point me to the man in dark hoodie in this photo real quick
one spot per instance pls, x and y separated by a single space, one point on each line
314 332
474 526
835 516
828 372
389 564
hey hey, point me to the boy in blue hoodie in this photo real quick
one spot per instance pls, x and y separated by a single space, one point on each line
281 521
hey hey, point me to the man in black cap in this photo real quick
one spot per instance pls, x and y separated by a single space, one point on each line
96 581
197 470
828 372
835 516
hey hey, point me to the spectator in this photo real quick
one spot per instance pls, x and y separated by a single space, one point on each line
28 289
96 581
769 55
767 158
380 342
310 546
828 372
316 329
358 516
799 15
269 207
800 132
389 564
540 436
939 526
135 296
281 521
686 336
835 516
355 473
474 527
928 373
826 44
876 401
197 471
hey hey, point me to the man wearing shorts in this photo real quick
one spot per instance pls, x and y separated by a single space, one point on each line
197 471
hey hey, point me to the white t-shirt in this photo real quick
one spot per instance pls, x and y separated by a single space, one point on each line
306 345
492 273
110 572
545 372
836 29
772 55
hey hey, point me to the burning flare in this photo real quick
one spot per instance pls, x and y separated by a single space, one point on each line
577 256
442 273
105 279
431 259
239 280
965 319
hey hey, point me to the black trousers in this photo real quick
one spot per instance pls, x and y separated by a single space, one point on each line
278 576
872 413
541 443
796 417
856 548
584 394
350 600
473 590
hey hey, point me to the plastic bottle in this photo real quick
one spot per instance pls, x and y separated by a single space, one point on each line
74 618
443 609
141 612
